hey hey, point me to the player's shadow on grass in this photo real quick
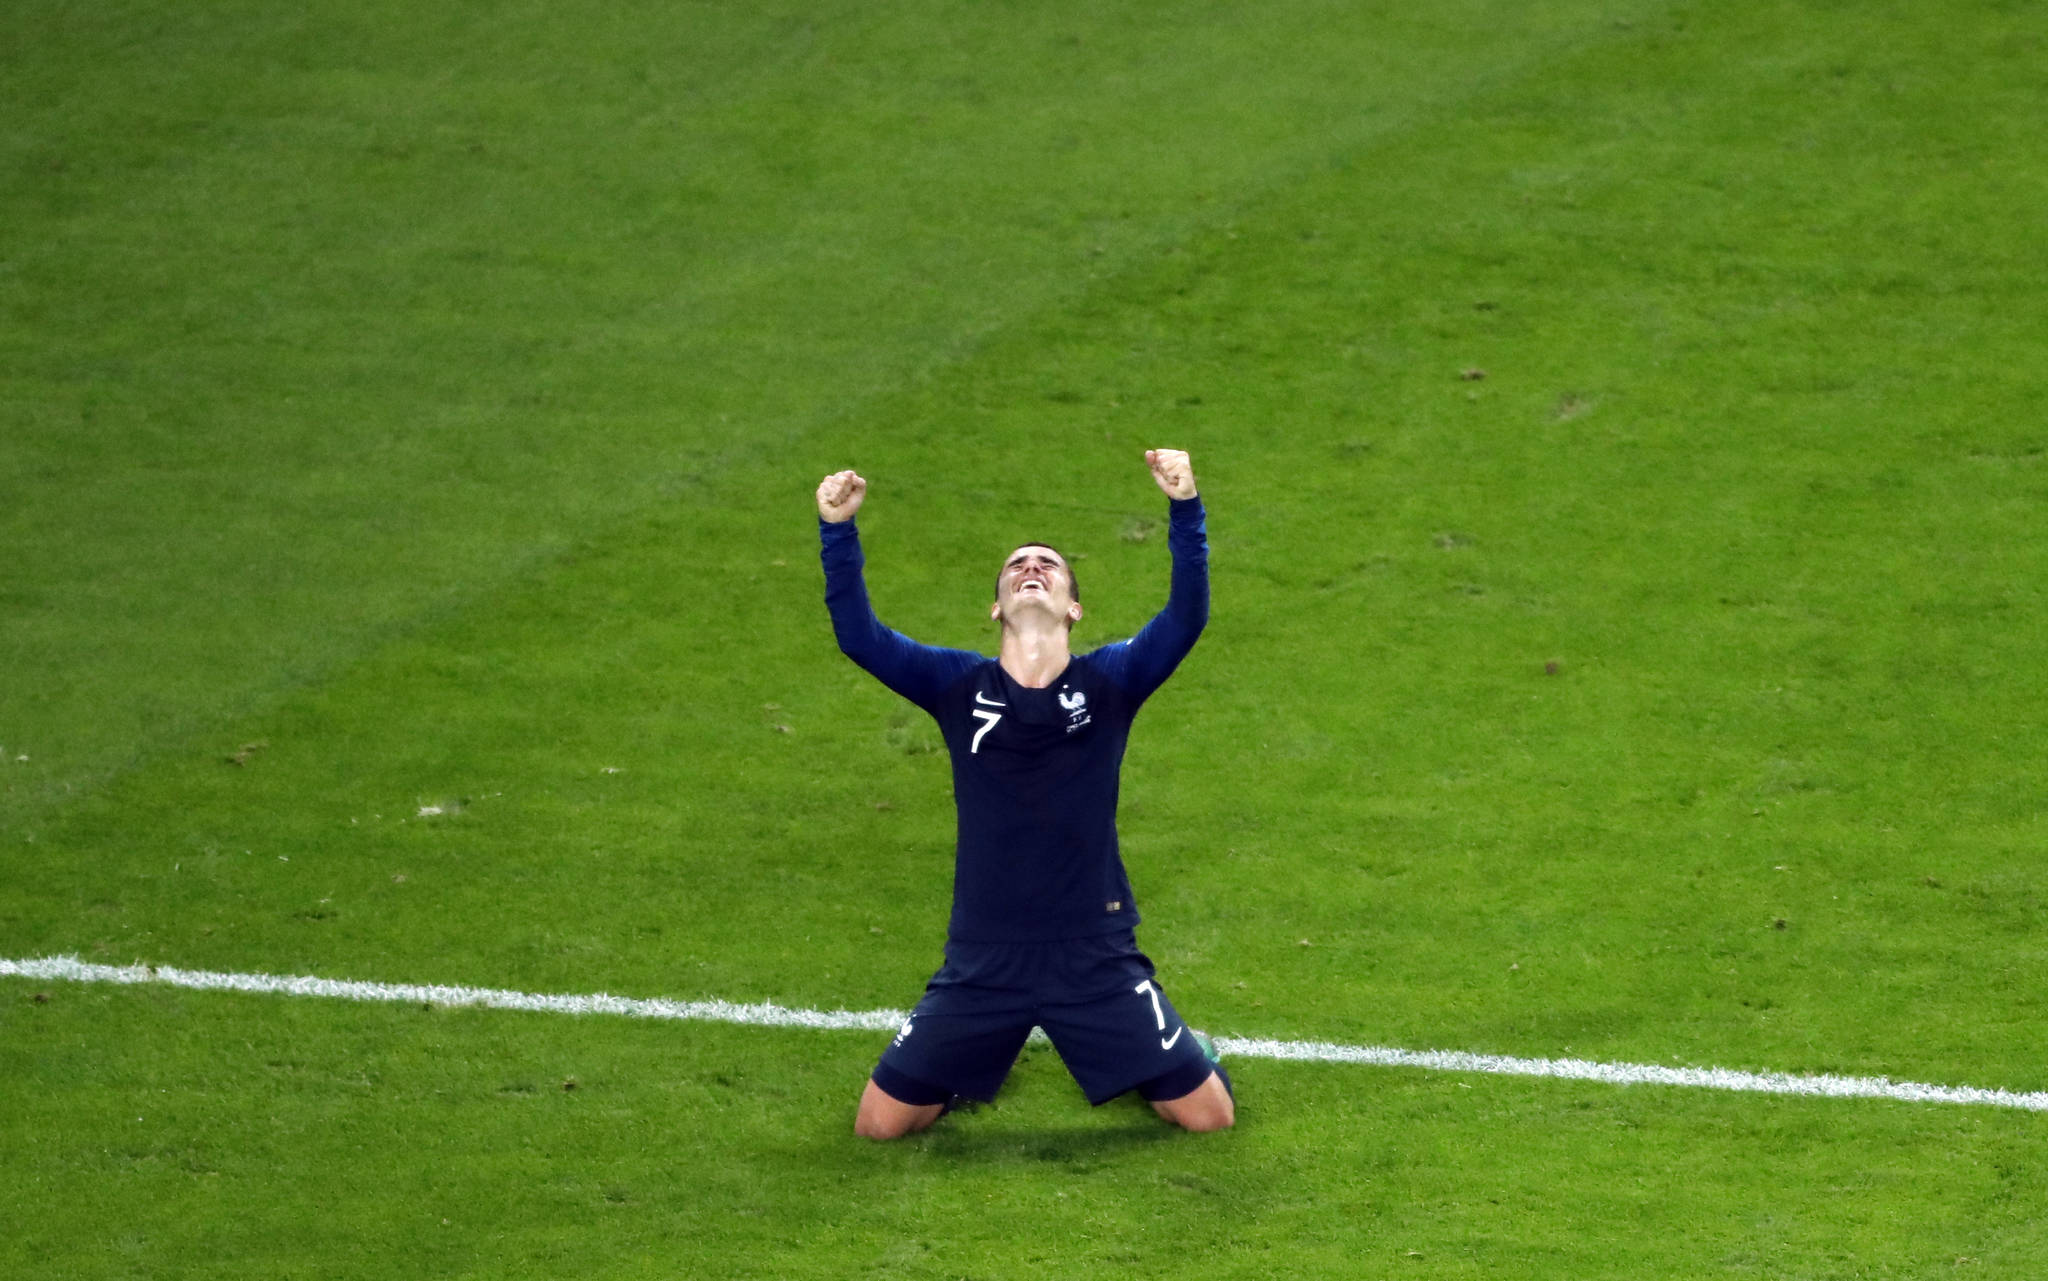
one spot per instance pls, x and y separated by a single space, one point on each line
1041 1140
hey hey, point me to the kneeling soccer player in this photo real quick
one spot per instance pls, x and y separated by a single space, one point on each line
1043 925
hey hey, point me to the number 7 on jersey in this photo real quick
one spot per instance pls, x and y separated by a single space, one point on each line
988 721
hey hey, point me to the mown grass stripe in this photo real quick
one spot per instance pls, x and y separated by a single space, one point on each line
767 1014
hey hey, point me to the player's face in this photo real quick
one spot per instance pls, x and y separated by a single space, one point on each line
1035 578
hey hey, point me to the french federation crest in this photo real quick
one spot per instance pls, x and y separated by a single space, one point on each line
1076 705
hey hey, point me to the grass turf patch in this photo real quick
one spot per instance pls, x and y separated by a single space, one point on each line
253 1136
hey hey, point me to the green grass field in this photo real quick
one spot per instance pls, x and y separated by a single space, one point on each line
1620 428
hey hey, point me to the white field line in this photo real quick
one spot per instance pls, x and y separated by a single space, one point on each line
70 969
764 1015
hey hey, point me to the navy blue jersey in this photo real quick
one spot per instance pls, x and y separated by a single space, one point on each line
1035 771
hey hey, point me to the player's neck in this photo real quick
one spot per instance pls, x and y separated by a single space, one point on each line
1035 655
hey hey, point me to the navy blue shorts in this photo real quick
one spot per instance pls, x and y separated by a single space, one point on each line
1095 997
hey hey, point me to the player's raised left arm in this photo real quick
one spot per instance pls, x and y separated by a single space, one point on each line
1187 538
1172 471
1148 658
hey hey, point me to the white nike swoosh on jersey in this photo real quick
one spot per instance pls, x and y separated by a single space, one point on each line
988 702
1166 1043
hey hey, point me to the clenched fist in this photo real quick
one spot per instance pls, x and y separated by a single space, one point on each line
840 495
1170 467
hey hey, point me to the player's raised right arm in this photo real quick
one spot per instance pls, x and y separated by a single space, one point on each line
840 496
918 672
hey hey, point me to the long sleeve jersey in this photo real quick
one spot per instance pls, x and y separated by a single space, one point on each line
1035 771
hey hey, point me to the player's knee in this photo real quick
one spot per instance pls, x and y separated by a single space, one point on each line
879 1129
1212 1117
892 1123
883 1117
1205 1117
1206 1109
